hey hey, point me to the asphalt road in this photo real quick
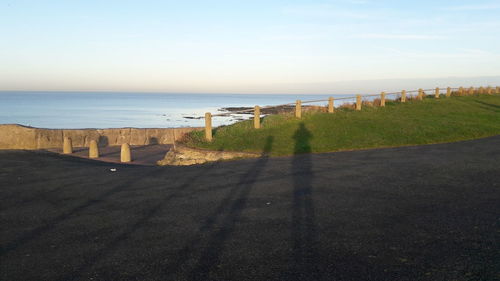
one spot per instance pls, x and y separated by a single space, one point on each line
414 213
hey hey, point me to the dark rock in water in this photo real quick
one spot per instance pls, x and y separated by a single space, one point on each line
192 117
263 110
278 109
234 109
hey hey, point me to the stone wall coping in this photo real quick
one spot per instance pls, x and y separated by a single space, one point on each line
14 136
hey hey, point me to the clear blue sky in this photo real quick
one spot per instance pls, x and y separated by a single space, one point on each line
241 46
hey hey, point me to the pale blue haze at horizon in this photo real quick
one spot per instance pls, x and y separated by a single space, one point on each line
241 46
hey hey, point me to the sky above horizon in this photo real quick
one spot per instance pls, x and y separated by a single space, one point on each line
241 46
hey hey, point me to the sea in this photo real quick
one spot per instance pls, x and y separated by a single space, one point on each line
74 110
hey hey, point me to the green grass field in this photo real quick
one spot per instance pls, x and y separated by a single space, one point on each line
398 124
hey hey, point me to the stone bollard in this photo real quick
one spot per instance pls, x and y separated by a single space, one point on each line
67 146
448 92
358 102
298 109
125 155
256 117
403 96
93 149
331 108
420 94
436 95
208 126
382 99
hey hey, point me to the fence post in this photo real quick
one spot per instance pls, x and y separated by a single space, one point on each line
420 94
256 117
382 99
298 109
471 90
67 146
461 91
489 90
481 90
448 92
403 96
358 102
93 149
208 126
498 90
331 108
436 95
174 146
125 153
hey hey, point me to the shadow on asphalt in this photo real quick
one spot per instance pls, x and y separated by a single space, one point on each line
418 213
218 226
51 224
303 228
146 216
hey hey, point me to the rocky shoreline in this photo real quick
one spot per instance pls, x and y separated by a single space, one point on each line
243 112
186 156
264 110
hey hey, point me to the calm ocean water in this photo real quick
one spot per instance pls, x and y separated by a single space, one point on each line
113 110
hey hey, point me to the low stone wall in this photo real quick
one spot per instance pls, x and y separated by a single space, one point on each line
184 156
13 136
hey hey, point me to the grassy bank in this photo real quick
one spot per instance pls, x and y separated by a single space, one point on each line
412 123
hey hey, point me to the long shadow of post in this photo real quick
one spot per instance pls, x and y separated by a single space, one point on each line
66 215
103 252
303 227
210 255
209 241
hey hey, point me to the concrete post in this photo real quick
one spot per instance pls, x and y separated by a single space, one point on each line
331 108
67 146
93 149
436 95
298 109
256 117
358 102
403 96
208 126
420 94
448 92
382 99
174 140
125 155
